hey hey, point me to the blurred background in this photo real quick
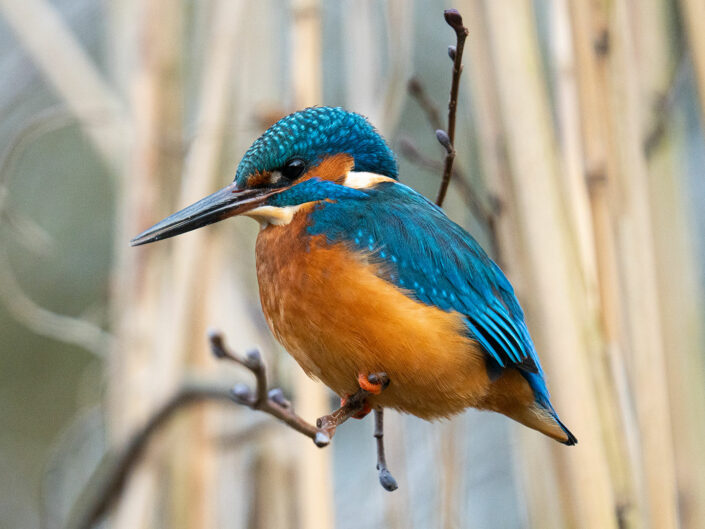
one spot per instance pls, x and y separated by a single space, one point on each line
581 159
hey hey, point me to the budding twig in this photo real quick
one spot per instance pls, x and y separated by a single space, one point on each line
454 20
418 92
274 403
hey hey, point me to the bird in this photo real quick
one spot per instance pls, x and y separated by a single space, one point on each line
359 275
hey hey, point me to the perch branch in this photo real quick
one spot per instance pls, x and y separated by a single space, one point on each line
108 481
275 404
447 138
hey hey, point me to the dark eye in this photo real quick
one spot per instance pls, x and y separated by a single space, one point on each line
293 168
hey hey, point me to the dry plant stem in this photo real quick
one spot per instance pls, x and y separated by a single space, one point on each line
274 403
385 477
480 211
455 21
418 92
108 481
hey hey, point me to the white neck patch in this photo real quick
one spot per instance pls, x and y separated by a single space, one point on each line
281 216
360 180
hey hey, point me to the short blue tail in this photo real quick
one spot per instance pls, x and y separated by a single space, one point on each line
543 399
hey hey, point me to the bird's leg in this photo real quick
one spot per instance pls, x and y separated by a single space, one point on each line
356 405
274 403
374 383
385 477
349 407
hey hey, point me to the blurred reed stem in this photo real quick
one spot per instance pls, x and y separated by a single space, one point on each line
563 325
539 496
313 466
680 293
693 19
142 373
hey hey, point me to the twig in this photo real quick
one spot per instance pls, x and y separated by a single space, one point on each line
418 92
447 138
479 210
272 402
385 477
275 404
108 481
486 214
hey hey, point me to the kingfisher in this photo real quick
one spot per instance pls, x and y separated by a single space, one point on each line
359 274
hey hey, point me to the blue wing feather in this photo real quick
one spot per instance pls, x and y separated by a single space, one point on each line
438 263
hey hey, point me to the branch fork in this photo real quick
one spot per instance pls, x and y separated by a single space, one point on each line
275 404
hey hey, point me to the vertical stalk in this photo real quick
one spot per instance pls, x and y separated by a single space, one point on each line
313 466
680 292
140 379
693 16
562 324
532 456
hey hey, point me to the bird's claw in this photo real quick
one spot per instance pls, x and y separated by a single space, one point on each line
373 383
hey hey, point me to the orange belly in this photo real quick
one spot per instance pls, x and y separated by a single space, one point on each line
338 319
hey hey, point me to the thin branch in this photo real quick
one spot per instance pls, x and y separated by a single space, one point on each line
454 20
274 403
418 91
477 206
385 477
108 481
486 214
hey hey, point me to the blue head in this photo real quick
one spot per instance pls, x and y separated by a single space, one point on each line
312 135
304 157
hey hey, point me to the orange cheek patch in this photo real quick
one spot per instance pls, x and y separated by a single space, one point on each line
259 179
334 168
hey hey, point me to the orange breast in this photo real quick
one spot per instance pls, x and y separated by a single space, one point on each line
337 319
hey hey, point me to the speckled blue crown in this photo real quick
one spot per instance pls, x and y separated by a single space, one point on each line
314 133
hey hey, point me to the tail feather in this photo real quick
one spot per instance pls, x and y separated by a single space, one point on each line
547 416
571 439
543 420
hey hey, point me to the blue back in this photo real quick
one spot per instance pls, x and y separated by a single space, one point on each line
438 263
314 133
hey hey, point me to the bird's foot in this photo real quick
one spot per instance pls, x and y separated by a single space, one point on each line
373 383
366 408
355 405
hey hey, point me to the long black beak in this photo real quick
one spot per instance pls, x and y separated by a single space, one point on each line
222 204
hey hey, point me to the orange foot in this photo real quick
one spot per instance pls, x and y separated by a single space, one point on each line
360 414
374 382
